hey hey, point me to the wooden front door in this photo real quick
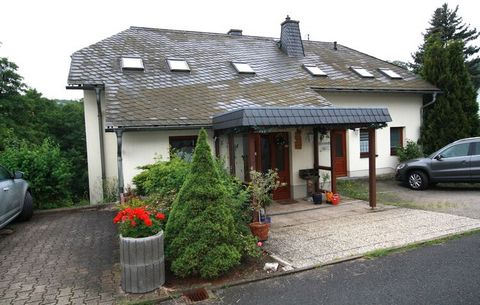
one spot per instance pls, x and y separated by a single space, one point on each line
274 154
339 152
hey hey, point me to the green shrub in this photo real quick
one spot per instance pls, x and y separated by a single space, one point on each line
48 173
163 178
411 151
201 235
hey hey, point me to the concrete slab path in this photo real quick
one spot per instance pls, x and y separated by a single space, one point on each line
307 235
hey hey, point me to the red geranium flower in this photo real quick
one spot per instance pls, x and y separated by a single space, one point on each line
160 216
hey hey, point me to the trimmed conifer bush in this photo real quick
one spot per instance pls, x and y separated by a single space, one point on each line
201 235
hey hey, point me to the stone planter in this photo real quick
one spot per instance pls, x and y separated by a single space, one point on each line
143 263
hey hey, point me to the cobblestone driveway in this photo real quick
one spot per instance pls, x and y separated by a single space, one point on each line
61 258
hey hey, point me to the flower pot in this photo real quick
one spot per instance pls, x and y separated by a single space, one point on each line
317 198
335 199
260 230
143 263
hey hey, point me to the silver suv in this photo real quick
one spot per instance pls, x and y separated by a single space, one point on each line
456 162
15 198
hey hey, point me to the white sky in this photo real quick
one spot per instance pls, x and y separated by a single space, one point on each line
40 36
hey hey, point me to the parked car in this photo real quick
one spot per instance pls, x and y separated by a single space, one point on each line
15 198
456 162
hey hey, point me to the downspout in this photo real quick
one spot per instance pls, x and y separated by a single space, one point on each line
434 99
98 91
119 133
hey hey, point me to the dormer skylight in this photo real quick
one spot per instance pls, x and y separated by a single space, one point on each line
132 63
314 70
362 72
390 73
178 65
243 68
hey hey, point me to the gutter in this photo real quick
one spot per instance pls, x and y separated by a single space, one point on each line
434 99
119 133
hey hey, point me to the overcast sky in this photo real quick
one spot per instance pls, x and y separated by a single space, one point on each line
40 36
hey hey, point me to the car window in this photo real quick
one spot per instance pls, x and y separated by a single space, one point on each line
4 174
476 148
459 150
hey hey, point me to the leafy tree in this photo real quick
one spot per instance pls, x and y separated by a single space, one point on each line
201 235
455 113
449 26
10 80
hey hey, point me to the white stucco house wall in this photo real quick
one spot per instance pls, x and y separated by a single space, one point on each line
147 89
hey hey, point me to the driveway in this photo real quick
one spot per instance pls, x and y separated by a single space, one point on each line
60 258
457 199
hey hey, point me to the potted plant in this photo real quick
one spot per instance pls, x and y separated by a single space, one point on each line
261 187
141 248
317 196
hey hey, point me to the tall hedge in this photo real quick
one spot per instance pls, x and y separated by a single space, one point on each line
201 236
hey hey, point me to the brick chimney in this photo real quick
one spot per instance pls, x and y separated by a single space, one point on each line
291 39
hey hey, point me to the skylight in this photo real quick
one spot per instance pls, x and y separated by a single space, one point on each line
132 63
390 73
178 65
362 72
314 70
243 68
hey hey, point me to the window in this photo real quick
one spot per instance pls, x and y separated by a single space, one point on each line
243 68
314 70
178 65
396 139
390 73
476 148
4 174
459 150
183 146
132 63
362 72
364 143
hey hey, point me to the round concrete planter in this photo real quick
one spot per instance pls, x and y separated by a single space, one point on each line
143 263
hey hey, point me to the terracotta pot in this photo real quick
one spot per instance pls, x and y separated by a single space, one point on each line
260 230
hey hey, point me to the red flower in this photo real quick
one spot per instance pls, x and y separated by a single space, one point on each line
133 223
148 222
160 216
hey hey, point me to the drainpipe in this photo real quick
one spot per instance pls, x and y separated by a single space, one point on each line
119 133
98 90
434 99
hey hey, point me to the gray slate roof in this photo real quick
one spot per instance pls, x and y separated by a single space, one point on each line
159 97
289 116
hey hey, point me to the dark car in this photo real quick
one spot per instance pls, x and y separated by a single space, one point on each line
15 198
456 162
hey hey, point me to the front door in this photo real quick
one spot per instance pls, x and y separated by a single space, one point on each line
339 153
274 154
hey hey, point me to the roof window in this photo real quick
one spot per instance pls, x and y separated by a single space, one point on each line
132 63
390 73
362 72
178 65
314 70
243 68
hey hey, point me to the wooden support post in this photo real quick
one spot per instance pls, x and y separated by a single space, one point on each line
231 154
251 153
315 157
333 152
372 183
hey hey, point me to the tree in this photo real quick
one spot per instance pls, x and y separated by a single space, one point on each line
454 115
449 26
200 236
10 80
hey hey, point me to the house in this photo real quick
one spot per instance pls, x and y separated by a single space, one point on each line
266 103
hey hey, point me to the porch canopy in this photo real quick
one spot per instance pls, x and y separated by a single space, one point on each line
320 118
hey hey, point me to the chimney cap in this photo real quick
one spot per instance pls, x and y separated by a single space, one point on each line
289 20
235 32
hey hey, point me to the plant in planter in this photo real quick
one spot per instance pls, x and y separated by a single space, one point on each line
141 248
261 187
317 196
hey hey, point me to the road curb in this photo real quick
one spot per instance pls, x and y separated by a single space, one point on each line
91 207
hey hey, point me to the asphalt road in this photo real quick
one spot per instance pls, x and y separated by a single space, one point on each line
448 273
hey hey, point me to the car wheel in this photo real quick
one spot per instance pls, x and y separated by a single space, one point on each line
27 210
417 180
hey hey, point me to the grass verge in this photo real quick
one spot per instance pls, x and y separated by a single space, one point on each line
385 252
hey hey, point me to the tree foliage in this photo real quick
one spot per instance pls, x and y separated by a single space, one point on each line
454 115
201 236
10 81
449 26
